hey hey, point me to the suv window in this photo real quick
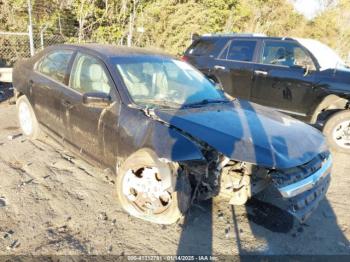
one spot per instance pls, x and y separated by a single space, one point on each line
239 50
286 54
202 47
55 64
89 75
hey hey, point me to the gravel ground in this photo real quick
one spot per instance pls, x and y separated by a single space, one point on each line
52 203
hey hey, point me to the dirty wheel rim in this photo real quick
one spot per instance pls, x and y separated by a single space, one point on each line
25 119
341 134
144 189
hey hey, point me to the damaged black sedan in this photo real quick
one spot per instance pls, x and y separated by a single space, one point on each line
169 134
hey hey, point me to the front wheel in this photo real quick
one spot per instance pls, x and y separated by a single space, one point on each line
146 189
337 131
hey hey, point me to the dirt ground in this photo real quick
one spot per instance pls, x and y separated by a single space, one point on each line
53 203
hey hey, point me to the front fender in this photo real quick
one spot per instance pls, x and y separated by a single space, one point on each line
170 144
138 131
329 102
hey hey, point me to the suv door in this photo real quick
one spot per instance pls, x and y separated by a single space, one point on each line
284 78
234 67
87 125
202 51
45 87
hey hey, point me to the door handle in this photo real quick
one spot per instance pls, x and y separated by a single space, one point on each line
67 104
261 73
218 67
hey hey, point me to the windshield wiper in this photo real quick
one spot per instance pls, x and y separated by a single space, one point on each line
162 103
206 102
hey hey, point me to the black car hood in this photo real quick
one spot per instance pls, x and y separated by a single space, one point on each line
248 132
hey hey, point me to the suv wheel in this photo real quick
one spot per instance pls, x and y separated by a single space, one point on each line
337 131
27 119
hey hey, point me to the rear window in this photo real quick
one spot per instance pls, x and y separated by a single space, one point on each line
202 47
55 64
239 50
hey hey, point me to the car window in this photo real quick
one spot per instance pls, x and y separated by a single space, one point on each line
89 75
55 64
240 51
202 47
286 54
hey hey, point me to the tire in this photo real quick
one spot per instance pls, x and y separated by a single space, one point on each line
179 201
27 119
337 131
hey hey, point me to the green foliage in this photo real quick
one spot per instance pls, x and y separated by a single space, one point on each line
169 24
13 15
272 17
332 28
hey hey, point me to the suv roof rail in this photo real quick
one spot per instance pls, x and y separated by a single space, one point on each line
236 34
287 38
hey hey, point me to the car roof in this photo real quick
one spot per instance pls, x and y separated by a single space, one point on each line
243 36
108 50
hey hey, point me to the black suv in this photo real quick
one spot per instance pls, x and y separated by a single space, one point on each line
301 77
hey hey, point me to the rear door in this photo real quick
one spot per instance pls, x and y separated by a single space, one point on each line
203 51
50 77
234 67
281 80
85 123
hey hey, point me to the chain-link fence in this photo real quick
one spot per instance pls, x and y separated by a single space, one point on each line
14 46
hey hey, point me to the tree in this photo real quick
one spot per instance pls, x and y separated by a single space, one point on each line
169 24
272 17
332 27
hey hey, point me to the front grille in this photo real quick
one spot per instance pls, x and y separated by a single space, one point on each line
285 177
303 187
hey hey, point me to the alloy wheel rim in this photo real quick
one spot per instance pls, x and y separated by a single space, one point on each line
341 134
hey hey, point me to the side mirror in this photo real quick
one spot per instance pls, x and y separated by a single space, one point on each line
307 70
307 66
97 99
304 67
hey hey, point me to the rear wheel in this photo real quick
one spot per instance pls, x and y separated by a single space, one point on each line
337 131
146 189
27 119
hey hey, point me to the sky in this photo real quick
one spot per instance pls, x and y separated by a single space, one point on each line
309 8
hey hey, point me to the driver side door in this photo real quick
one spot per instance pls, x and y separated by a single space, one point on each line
284 78
86 123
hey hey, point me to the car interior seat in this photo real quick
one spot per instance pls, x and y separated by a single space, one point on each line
160 84
98 79
133 81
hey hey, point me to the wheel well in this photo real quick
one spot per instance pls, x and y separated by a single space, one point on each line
328 106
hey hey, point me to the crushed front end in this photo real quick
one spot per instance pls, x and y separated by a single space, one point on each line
302 188
298 190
